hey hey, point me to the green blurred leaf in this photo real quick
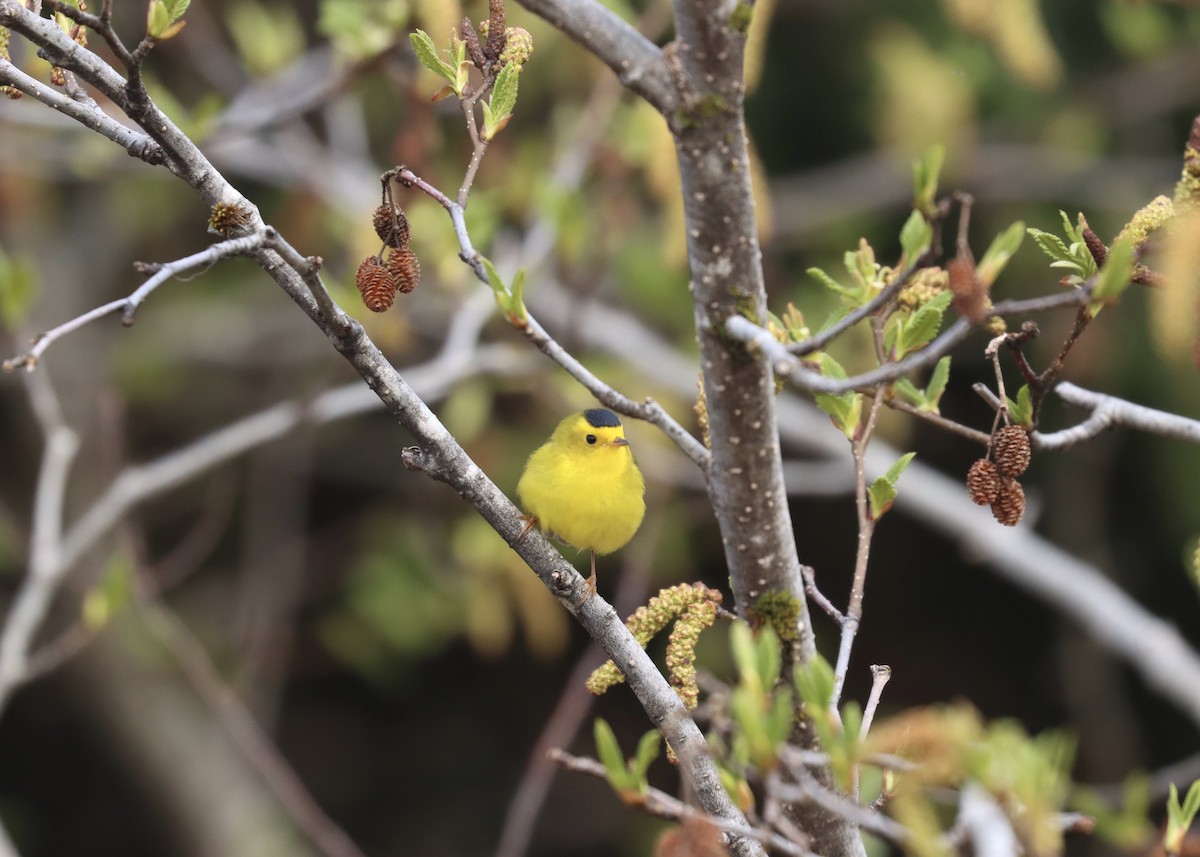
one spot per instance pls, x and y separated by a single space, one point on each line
647 751
915 237
830 283
1002 248
926 174
268 38
111 594
815 683
937 384
18 288
909 391
1180 816
1114 277
1021 411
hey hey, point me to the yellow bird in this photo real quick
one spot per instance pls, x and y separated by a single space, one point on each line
583 487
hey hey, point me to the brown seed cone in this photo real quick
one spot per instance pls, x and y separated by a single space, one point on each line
1010 502
1010 450
983 482
391 225
405 268
376 284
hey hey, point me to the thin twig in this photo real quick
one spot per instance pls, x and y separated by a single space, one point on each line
128 306
647 410
665 806
817 597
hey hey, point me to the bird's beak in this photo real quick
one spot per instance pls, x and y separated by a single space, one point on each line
619 441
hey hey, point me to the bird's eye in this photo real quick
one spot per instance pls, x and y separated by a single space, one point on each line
591 438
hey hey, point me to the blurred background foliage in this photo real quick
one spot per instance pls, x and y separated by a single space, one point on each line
401 655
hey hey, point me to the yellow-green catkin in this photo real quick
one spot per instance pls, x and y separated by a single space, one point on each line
670 604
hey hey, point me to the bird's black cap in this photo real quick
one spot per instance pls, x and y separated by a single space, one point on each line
601 418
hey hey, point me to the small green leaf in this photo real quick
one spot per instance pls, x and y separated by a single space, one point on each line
926 173
881 494
1002 248
845 409
937 383
1051 245
427 54
111 594
647 751
1180 816
1114 276
919 329
1021 411
815 683
176 8
18 288
915 237
909 391
504 90
745 658
893 472
831 284
768 659
609 752
517 299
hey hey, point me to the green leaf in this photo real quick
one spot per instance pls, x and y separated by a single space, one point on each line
18 288
162 18
428 56
1114 276
745 657
609 752
176 8
882 492
768 659
1021 411
919 329
111 594
831 284
998 253
909 391
937 383
1180 816
893 472
647 751
1051 245
815 683
915 237
504 91
516 306
845 409
926 173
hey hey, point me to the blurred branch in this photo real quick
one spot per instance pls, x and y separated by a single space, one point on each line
799 374
128 306
666 806
46 567
1111 412
81 107
249 737
638 63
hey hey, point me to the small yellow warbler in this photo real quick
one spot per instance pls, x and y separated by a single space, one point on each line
583 487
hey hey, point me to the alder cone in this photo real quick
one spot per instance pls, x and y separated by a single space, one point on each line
1011 451
376 284
405 268
1009 505
983 482
391 225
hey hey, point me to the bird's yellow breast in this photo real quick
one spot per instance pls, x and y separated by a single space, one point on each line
589 494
